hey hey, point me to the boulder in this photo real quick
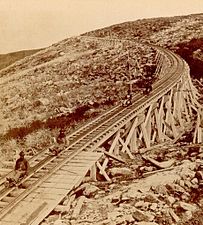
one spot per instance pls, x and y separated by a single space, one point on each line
128 218
161 189
142 216
139 204
44 101
153 206
132 193
151 198
194 181
170 200
113 215
187 206
90 190
121 171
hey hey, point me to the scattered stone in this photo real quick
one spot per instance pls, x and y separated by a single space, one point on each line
90 190
161 189
188 215
173 215
78 207
141 216
44 101
128 218
149 168
185 197
170 200
188 183
187 206
153 206
145 206
113 215
121 171
151 198
194 181
139 204
52 218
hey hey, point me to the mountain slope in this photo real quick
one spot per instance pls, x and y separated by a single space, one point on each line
75 77
9 58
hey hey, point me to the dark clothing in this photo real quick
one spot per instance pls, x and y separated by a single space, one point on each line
61 137
20 170
22 165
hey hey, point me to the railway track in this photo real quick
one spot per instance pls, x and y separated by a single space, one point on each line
90 136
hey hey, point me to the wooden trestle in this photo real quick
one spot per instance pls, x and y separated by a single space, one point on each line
163 120
39 203
161 116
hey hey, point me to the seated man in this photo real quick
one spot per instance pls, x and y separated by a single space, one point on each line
21 169
128 99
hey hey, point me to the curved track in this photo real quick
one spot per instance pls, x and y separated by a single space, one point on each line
91 135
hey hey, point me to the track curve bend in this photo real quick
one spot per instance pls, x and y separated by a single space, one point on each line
92 135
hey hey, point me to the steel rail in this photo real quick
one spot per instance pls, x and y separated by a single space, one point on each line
101 130
73 136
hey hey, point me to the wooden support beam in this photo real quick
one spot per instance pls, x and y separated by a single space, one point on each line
78 207
134 125
113 156
162 165
157 171
149 129
158 125
93 172
147 126
199 135
154 136
126 149
186 109
168 107
172 123
133 142
140 134
160 112
116 149
167 125
175 98
195 138
148 114
113 145
103 171
189 105
145 135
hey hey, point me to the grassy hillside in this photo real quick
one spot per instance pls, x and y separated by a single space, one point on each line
78 78
71 81
9 58
181 34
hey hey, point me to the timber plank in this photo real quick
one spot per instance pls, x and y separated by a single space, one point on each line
44 190
38 204
17 213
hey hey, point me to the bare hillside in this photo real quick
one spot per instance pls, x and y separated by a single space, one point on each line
78 78
9 58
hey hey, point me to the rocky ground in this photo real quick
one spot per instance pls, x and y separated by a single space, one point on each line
75 77
143 193
163 186
67 83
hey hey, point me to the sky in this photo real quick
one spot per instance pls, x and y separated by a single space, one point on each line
31 24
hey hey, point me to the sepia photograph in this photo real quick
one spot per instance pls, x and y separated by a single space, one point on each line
101 112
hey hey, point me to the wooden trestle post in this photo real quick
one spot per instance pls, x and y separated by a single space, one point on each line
161 120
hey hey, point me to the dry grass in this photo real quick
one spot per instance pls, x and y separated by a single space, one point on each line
78 73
